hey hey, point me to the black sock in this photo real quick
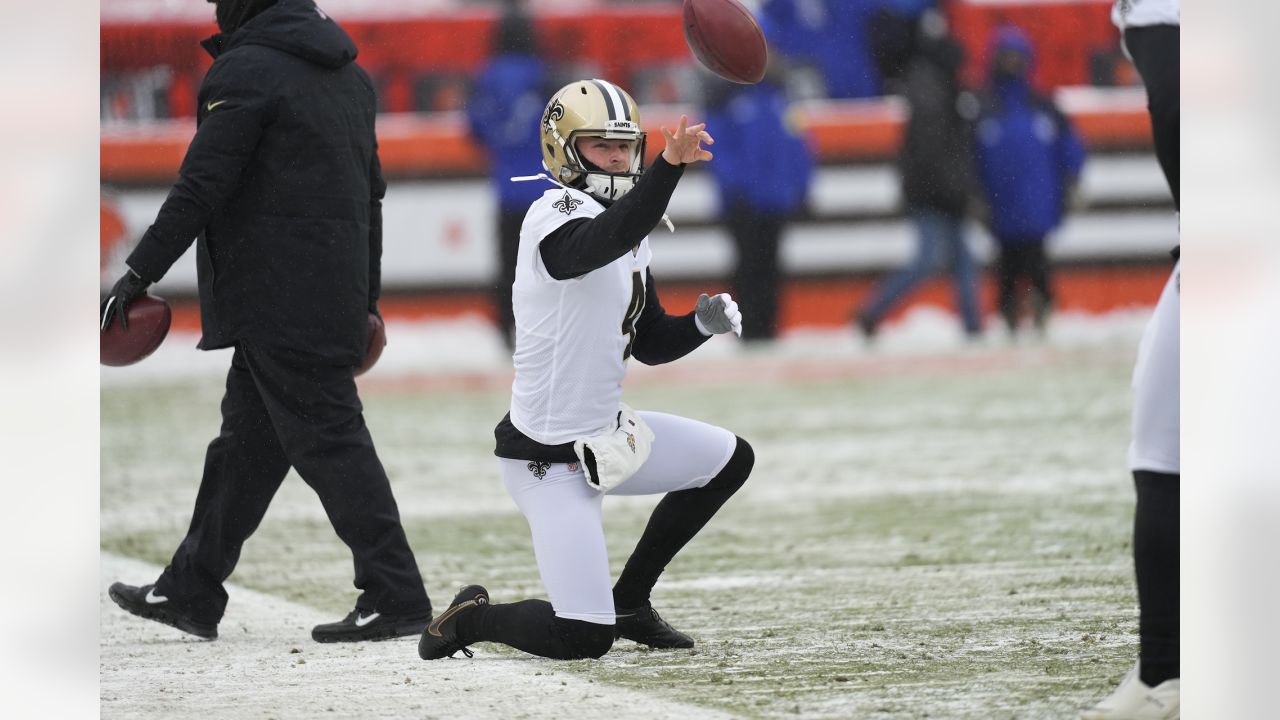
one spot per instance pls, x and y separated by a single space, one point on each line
673 524
1155 559
532 626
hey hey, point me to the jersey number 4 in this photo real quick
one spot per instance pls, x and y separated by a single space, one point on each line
634 309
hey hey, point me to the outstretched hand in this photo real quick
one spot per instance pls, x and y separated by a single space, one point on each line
685 144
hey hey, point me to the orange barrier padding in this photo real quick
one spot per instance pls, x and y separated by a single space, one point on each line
438 145
816 303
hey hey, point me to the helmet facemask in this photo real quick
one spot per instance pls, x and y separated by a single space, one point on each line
591 108
598 182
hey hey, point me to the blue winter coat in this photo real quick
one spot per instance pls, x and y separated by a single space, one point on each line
832 35
1027 155
759 157
503 111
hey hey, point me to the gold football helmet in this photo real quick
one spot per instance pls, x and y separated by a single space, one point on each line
591 108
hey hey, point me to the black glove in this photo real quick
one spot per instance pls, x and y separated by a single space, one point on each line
128 288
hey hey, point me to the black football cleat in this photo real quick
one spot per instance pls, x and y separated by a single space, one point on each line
359 626
440 639
645 626
145 603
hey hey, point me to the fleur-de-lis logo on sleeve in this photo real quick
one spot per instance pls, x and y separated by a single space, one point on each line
567 204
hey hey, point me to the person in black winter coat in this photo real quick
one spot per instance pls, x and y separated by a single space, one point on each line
282 186
937 180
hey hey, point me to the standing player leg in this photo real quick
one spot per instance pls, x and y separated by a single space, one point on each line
1155 458
700 467
1152 689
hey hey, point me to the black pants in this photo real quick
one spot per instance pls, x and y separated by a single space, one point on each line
1022 258
755 278
281 412
1156 55
509 222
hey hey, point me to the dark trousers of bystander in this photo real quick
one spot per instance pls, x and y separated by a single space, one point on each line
1023 258
281 411
755 282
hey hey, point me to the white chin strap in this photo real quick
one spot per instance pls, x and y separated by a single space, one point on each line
608 187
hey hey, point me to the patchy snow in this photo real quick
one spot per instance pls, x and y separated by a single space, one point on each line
469 350
265 665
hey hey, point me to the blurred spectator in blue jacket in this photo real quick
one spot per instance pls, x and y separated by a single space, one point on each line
503 111
936 164
830 35
1029 159
763 169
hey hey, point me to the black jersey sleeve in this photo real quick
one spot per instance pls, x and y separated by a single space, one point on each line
661 338
580 246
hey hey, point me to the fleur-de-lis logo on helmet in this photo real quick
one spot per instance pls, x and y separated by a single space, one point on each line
554 114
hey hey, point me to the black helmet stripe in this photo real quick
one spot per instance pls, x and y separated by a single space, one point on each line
618 108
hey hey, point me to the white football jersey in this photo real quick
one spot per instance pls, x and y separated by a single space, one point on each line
573 337
1141 13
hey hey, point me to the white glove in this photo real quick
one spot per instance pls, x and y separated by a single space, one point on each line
717 315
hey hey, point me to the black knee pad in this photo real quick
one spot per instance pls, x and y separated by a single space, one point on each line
584 639
735 471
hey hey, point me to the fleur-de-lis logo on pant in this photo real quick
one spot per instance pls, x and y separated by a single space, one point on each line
539 469
566 204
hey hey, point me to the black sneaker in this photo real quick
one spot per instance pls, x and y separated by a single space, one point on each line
440 639
359 625
645 626
145 603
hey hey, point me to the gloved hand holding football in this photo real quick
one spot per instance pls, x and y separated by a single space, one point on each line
128 288
717 315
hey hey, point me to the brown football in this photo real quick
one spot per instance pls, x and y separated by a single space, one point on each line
377 341
726 39
149 319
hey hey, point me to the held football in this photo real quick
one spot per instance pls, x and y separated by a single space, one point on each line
377 341
726 39
149 319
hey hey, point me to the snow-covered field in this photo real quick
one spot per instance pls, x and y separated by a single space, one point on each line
933 529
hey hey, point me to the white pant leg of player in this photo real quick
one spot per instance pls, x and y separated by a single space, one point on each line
697 465
1152 689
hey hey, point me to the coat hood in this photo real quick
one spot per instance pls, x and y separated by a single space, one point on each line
297 27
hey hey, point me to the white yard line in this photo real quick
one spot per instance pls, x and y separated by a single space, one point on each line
148 670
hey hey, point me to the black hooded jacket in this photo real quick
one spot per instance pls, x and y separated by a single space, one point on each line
283 187
935 160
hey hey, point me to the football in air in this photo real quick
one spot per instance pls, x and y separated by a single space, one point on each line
149 319
726 39
377 341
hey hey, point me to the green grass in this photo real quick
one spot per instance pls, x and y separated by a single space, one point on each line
910 545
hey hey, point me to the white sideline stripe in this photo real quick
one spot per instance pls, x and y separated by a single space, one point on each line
148 670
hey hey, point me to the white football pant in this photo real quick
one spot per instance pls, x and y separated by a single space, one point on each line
565 514
1157 409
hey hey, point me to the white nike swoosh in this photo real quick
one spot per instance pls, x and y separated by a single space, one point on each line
363 620
154 599
106 310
